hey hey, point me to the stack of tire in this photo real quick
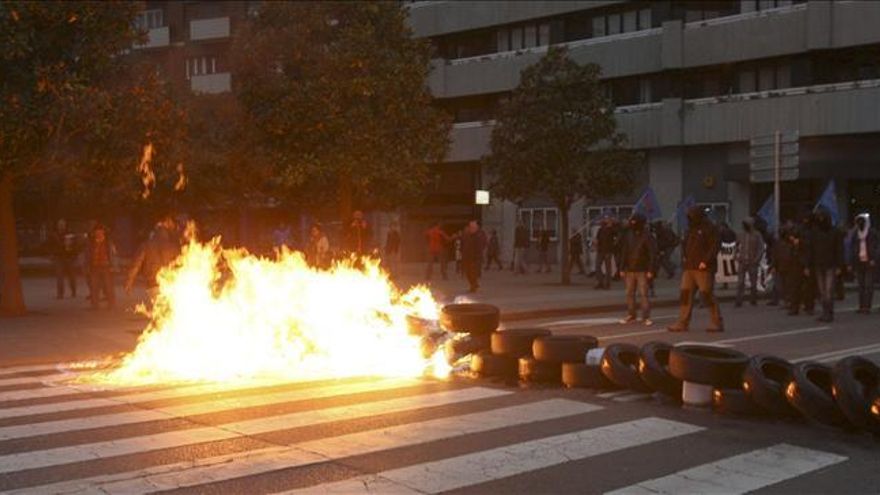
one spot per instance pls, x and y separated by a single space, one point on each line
472 326
551 353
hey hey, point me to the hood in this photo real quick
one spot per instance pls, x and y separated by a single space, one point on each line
637 221
865 220
695 215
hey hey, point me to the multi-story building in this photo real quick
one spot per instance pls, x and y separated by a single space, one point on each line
692 81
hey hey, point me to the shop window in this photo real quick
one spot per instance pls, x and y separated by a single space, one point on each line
538 220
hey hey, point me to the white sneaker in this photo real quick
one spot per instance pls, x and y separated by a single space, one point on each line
628 319
648 322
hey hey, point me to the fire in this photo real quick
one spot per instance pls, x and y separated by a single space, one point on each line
223 315
148 178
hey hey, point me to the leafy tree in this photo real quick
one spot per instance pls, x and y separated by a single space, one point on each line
337 104
556 137
73 107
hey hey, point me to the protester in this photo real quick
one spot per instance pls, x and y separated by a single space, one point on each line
605 245
358 234
64 250
864 252
638 251
826 257
520 247
282 235
102 261
748 254
667 241
318 252
392 247
159 251
779 258
792 269
699 260
727 234
456 251
473 243
544 251
576 252
809 284
493 252
437 240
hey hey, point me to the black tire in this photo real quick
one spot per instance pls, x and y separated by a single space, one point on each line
620 364
735 402
765 379
654 369
470 318
719 367
581 375
534 371
856 381
490 365
516 342
563 348
811 393
466 344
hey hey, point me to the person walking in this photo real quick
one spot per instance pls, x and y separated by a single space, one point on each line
358 234
638 252
101 258
748 254
699 261
667 241
864 252
605 245
792 269
576 252
493 252
64 250
473 244
520 247
826 258
160 250
392 248
437 240
544 251
318 252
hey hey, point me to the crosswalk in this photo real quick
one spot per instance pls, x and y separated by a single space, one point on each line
366 435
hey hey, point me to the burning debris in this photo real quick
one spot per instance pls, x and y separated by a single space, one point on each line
148 177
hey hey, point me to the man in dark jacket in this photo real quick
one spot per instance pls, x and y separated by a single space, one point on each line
749 251
792 267
100 258
826 258
64 250
575 253
520 247
864 251
637 257
667 241
473 244
606 243
160 250
493 252
699 260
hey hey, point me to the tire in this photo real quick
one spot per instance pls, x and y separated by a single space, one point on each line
765 380
466 344
855 384
719 367
490 365
654 369
534 371
810 392
620 364
580 375
470 318
516 342
563 348
734 402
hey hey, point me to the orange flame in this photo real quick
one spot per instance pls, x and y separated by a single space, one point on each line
148 178
180 185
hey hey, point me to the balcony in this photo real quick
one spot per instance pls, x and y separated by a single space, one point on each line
156 38
209 29
220 82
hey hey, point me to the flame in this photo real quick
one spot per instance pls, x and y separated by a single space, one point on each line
148 178
223 315
180 185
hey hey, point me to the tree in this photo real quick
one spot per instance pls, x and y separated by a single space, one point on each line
74 107
556 137
338 107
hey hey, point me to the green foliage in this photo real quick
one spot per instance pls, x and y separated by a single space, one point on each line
336 102
557 137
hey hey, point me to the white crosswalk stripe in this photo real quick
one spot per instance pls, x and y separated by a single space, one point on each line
115 442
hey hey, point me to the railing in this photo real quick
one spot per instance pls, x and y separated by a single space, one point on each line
156 37
746 15
220 82
800 90
206 29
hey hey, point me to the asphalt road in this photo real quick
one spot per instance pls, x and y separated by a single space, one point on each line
427 436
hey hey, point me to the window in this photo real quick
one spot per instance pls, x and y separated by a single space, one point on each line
530 36
544 34
150 19
644 19
614 26
718 212
540 219
630 21
503 42
595 213
200 66
598 26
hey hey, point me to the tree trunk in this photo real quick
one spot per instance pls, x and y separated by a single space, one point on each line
563 239
11 298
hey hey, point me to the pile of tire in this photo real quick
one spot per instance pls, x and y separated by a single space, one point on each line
471 325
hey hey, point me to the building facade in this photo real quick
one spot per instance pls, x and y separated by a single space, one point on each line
692 83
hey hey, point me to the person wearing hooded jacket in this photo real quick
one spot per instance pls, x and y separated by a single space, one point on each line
638 251
864 251
826 258
749 251
699 261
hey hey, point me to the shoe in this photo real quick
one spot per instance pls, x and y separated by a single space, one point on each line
676 328
715 329
648 322
626 320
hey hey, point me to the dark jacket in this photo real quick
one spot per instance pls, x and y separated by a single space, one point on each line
521 237
873 246
701 243
606 239
637 250
494 248
666 238
472 246
544 241
576 245
826 248
160 250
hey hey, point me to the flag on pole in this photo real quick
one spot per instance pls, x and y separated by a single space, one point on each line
648 205
681 212
768 213
828 201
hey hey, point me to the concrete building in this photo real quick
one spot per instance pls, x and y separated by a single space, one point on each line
692 82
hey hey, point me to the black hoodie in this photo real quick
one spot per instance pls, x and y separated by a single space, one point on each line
701 242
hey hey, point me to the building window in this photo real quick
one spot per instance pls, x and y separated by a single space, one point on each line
719 212
523 36
149 19
630 21
595 213
537 220
644 19
598 26
200 66
614 26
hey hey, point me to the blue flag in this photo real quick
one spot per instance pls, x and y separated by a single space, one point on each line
828 201
768 213
648 205
681 212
